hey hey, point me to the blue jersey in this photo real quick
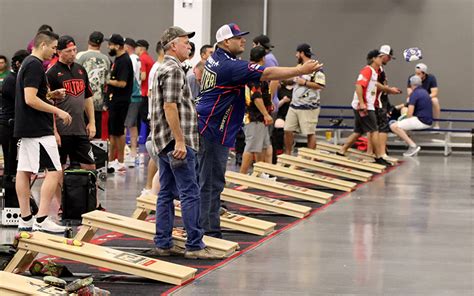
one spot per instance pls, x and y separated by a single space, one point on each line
221 102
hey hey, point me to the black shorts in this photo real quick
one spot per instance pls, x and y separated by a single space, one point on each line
117 115
365 124
382 120
78 148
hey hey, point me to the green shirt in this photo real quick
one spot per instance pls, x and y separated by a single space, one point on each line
3 75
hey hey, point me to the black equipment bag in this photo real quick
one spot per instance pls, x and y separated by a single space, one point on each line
79 194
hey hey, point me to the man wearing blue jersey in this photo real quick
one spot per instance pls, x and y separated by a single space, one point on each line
221 108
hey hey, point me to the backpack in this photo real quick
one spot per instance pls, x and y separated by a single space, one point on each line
79 194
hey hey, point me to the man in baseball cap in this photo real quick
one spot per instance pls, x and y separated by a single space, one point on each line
264 41
305 49
221 108
175 140
96 38
387 50
116 39
430 84
382 103
172 33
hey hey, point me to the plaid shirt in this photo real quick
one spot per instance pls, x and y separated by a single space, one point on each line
170 86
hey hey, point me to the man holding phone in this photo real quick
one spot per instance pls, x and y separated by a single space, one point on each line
363 104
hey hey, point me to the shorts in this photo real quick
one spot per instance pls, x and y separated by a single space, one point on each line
257 137
412 123
38 153
78 148
117 115
382 120
365 124
132 115
302 121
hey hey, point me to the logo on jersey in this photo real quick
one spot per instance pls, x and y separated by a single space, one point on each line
254 67
208 80
74 87
361 77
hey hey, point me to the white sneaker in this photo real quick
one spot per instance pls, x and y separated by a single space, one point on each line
120 166
111 166
267 176
412 151
130 161
49 226
145 192
25 225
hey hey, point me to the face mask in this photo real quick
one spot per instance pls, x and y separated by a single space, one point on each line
112 52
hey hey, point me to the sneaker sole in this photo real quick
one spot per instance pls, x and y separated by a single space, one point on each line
50 232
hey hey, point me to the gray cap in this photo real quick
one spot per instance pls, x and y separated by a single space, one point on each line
415 80
174 32
422 67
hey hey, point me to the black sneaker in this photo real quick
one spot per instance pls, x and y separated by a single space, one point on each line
383 162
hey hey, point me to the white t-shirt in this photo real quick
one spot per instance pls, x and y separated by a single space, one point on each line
368 80
151 78
136 67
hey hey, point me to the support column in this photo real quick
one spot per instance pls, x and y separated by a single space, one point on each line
194 15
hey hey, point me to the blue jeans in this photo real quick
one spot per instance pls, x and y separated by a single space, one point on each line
181 180
212 166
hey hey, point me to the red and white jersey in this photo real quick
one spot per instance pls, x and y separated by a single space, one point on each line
368 80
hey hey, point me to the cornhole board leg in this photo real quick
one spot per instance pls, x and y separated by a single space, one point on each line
15 284
103 220
323 167
278 187
21 261
311 178
345 162
104 257
265 203
86 233
140 214
228 220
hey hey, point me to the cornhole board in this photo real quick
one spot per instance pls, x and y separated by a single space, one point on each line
278 187
265 203
341 160
15 284
95 220
351 151
130 263
280 171
228 220
299 162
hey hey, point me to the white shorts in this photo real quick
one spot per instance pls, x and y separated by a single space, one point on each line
412 123
38 153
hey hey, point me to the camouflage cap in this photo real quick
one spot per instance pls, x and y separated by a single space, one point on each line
174 32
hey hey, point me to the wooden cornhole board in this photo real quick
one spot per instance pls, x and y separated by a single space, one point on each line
278 187
341 160
340 171
95 220
228 220
265 203
15 285
280 171
351 151
53 245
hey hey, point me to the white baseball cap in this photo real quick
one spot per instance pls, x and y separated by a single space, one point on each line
422 67
229 31
387 50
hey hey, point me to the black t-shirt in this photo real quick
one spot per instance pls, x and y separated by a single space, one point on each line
258 90
383 96
122 70
74 79
7 99
283 110
29 122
